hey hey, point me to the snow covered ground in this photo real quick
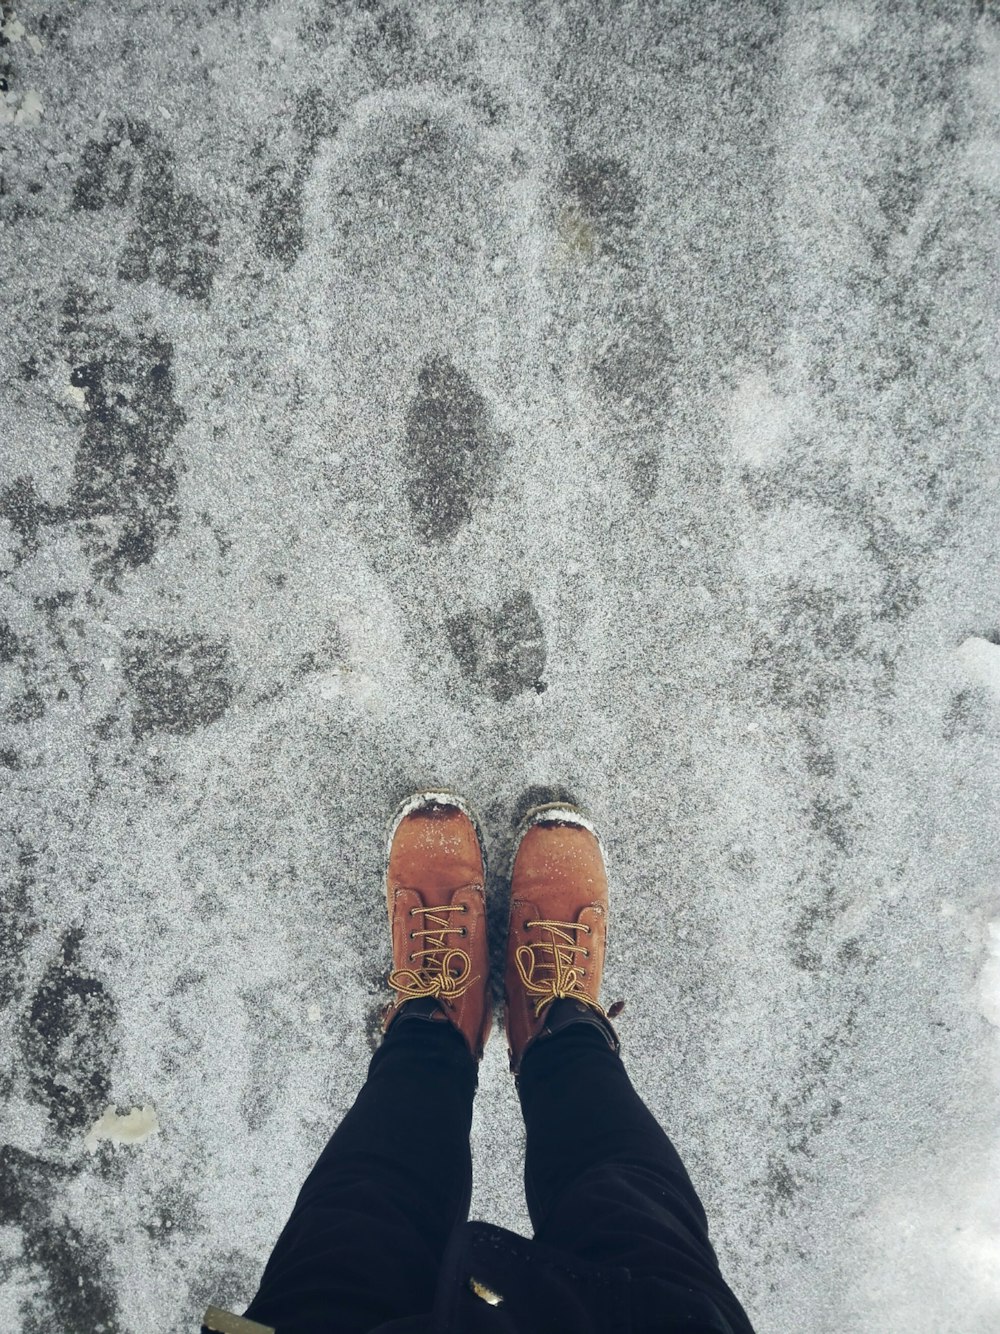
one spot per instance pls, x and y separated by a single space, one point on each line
547 398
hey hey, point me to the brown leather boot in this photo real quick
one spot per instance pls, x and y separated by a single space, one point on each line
435 892
558 930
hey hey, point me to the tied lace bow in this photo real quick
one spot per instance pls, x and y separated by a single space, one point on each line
566 981
435 976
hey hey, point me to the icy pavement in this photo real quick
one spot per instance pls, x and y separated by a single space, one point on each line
593 399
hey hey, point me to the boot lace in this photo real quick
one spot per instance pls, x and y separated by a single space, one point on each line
435 976
565 981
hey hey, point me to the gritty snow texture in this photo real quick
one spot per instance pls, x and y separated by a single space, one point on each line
542 401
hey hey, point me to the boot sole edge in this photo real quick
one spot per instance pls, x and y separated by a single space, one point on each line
565 813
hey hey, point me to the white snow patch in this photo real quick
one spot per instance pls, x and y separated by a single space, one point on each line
980 660
14 31
18 109
939 1241
982 163
760 421
989 982
984 77
938 1250
136 1126
847 21
9 545
348 683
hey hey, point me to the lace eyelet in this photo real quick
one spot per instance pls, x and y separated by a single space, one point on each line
463 932
411 935
527 926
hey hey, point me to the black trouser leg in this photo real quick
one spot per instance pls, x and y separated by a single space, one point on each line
366 1236
601 1178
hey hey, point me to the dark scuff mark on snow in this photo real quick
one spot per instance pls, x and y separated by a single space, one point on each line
25 704
18 922
387 42
123 471
280 228
181 682
965 715
602 202
27 1186
108 167
174 237
453 450
270 1041
801 1118
830 818
26 513
643 474
501 652
806 652
123 493
636 373
71 1265
28 708
173 1212
9 642
780 1185
68 1039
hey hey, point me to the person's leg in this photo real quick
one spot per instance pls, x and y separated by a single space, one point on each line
365 1239
601 1178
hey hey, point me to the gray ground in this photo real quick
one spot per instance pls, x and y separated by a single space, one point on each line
593 399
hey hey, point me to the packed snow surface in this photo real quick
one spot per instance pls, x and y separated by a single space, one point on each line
543 402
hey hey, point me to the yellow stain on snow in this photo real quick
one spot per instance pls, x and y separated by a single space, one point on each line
136 1126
